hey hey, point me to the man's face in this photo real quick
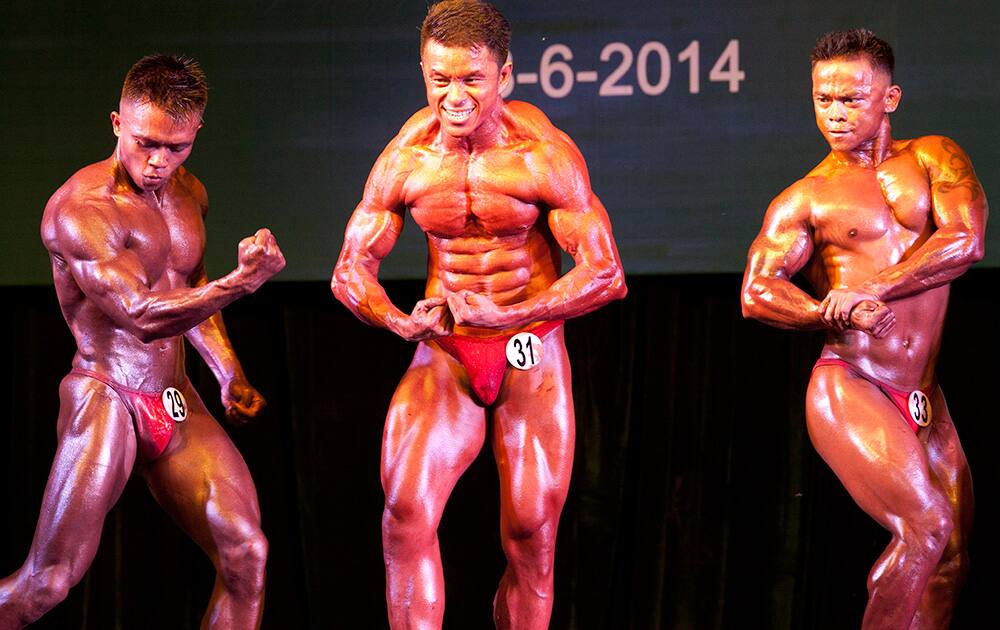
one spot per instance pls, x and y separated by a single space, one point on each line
151 144
463 85
851 98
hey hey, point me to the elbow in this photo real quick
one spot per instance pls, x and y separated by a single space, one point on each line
748 301
976 249
145 335
613 278
339 284
140 324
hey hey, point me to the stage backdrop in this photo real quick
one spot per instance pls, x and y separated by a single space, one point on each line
692 115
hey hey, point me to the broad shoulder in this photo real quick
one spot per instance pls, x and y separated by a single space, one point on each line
526 123
82 206
794 203
419 130
933 151
551 149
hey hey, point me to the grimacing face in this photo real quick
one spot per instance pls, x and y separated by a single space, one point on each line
851 98
151 144
463 85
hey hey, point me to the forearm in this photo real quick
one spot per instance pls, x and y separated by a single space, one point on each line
357 287
584 289
212 342
946 255
777 302
161 314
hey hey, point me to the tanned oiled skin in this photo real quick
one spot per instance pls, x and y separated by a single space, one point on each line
126 238
498 192
880 227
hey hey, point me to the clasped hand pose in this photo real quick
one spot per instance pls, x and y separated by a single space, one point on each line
498 190
880 228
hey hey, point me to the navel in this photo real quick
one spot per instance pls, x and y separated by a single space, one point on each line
853 233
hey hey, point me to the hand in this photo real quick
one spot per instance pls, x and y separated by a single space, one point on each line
836 307
874 318
472 309
430 318
259 258
241 400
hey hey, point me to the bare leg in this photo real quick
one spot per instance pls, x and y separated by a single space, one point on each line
433 432
533 440
885 468
93 461
203 483
947 461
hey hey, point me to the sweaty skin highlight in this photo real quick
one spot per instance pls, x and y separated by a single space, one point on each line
880 227
498 191
126 237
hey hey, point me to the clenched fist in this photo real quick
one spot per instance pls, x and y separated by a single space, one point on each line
259 258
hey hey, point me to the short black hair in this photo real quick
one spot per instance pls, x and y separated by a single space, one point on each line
853 43
468 23
174 83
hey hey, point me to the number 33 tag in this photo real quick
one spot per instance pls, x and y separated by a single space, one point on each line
174 403
920 408
524 350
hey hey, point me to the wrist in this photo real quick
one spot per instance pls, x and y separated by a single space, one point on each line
234 282
397 322
873 291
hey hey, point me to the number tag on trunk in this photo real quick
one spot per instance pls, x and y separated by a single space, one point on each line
174 403
524 350
920 408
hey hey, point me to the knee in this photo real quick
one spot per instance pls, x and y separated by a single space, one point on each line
47 588
407 523
243 562
932 530
529 544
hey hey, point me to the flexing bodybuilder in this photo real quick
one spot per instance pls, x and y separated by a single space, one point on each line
126 238
880 227
497 190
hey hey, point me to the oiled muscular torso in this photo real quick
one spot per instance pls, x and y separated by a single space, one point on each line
484 219
161 243
863 221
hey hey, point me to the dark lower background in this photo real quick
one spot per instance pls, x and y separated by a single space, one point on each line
697 501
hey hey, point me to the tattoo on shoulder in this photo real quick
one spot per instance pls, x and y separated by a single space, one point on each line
957 167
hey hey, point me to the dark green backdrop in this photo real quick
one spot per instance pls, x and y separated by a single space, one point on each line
305 95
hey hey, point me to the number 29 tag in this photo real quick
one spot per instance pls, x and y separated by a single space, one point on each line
524 350
174 403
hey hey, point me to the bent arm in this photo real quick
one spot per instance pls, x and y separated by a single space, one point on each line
580 224
959 212
371 234
782 248
113 277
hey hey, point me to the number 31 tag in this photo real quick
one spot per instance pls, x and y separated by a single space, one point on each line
524 350
174 403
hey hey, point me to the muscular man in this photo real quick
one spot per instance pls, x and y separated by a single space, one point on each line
126 237
497 190
881 227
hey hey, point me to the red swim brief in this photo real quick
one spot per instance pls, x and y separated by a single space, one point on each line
913 406
154 423
485 358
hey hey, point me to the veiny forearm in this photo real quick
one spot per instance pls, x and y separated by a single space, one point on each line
946 255
778 302
356 286
160 314
585 288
